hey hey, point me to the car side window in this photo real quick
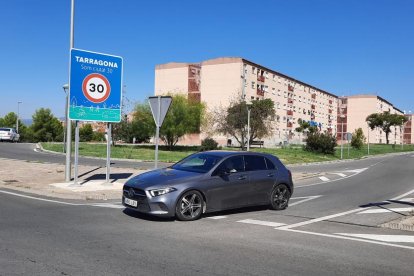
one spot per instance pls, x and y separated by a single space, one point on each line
270 165
255 163
232 165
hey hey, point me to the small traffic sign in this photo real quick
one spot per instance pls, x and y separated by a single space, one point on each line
159 108
95 88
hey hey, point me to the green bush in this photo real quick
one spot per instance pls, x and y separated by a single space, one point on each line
208 144
320 143
358 139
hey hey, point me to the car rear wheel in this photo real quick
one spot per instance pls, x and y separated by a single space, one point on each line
279 198
189 206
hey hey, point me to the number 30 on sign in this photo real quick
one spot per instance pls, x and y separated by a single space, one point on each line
96 88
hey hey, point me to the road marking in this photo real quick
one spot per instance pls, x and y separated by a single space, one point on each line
403 195
384 238
262 222
347 238
323 178
217 217
320 219
305 198
325 182
102 205
379 211
357 170
340 174
407 199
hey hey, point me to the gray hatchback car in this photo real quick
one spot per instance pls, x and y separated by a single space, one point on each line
208 182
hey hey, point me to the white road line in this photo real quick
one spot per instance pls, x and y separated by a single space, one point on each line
320 183
407 199
261 222
347 238
380 211
321 219
305 198
403 195
323 178
217 217
102 205
357 170
384 238
340 174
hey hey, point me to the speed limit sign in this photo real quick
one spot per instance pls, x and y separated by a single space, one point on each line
96 88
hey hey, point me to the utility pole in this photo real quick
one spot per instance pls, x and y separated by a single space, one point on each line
69 124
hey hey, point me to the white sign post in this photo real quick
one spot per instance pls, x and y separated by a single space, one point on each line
159 108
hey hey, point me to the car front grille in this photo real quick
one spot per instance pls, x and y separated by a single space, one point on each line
134 193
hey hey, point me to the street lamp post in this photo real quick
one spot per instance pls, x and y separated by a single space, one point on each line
342 116
248 126
17 120
67 139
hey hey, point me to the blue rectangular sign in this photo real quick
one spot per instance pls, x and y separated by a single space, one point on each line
95 86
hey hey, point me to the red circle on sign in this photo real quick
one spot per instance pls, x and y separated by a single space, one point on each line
91 79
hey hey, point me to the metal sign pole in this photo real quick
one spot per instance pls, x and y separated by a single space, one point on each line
157 134
348 148
368 140
75 182
108 152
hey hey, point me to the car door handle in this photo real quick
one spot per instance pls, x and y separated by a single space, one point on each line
271 175
242 177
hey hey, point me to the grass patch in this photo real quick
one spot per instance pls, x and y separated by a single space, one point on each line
288 155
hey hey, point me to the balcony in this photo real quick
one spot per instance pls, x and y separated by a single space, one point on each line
289 124
330 111
290 101
313 106
290 88
313 96
261 78
330 101
289 113
260 92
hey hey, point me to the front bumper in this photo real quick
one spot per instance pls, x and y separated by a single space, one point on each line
161 206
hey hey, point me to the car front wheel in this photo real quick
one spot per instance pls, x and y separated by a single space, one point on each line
189 206
279 197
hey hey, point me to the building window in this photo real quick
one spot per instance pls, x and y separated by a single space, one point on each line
253 70
253 84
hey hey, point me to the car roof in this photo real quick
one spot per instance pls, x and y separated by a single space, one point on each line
224 153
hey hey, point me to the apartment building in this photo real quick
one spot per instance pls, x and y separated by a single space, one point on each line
409 129
218 82
353 111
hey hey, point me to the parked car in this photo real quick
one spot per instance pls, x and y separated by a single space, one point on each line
210 181
9 134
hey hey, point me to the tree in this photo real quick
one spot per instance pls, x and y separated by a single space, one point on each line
46 127
358 139
233 120
86 133
305 126
385 121
143 125
184 117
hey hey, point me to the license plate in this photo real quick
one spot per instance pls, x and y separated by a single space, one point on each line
131 202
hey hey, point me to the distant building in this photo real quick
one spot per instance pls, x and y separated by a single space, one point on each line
408 129
353 111
220 81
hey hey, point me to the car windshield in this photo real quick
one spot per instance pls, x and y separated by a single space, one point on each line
200 163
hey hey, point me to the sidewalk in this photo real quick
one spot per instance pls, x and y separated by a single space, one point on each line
47 179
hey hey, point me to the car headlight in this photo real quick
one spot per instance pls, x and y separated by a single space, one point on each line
158 192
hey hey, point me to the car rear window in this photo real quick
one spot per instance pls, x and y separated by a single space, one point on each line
255 163
4 129
270 165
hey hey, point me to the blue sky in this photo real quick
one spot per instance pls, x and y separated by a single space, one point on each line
344 47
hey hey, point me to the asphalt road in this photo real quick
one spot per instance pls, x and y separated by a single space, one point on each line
27 151
330 228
